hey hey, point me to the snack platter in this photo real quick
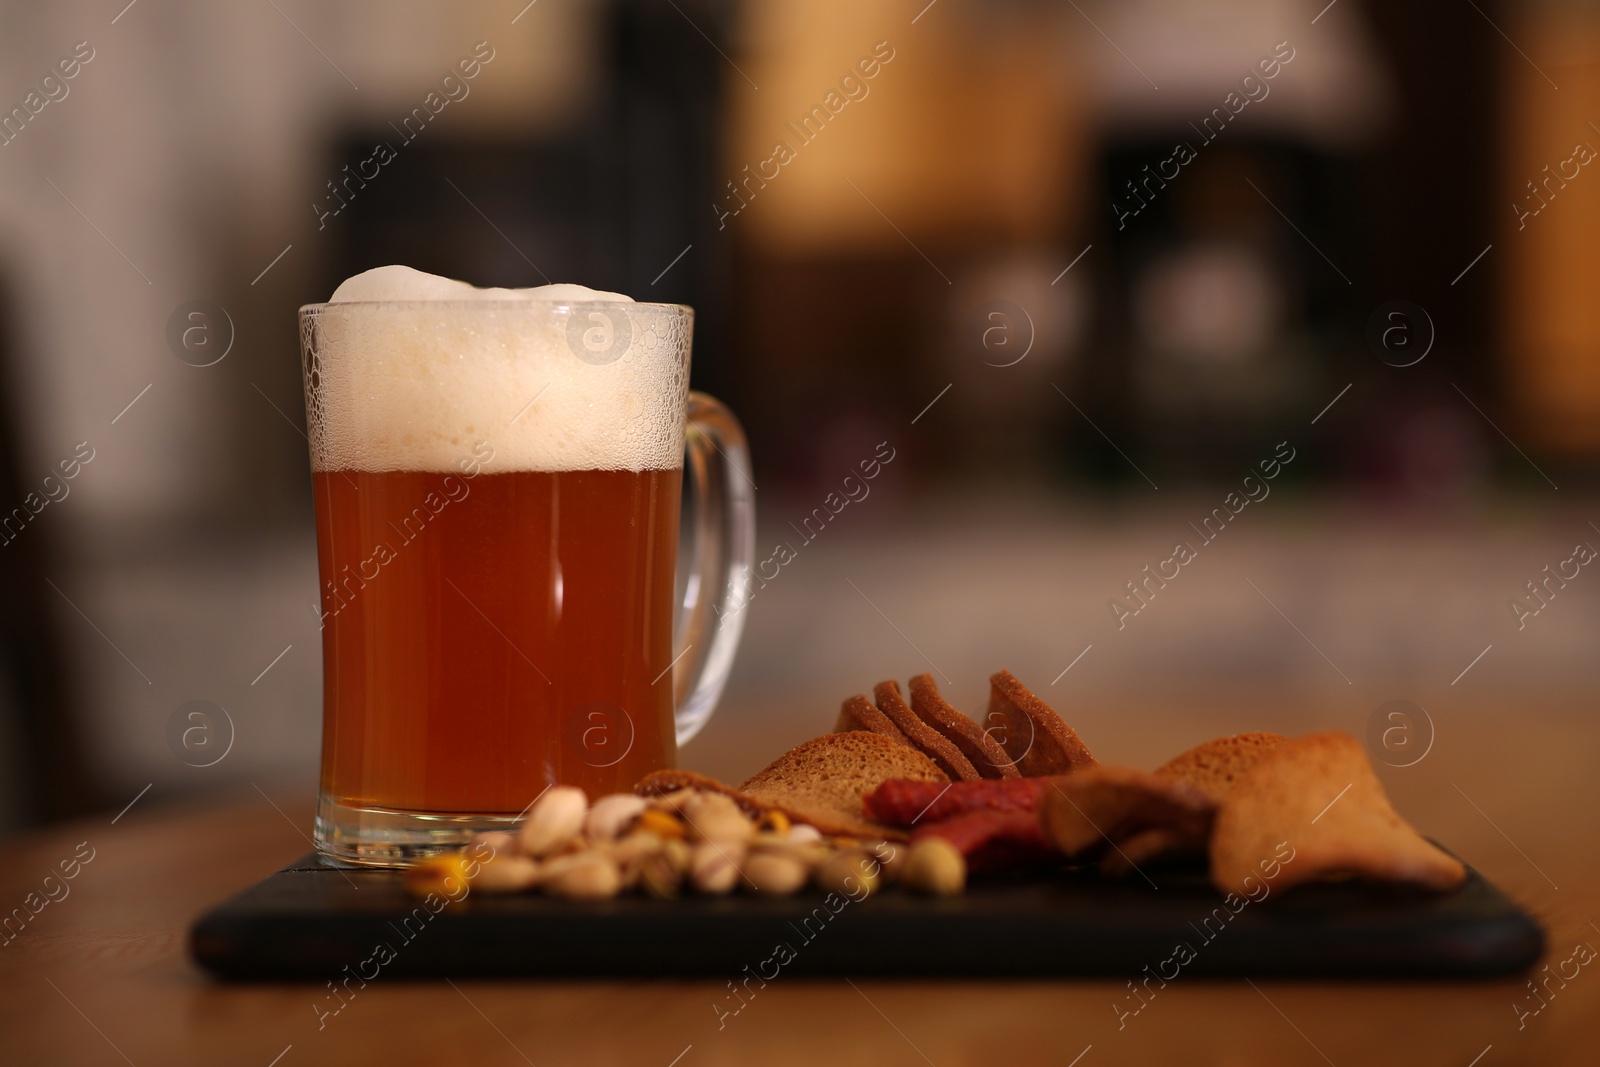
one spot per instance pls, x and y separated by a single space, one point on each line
910 841
309 922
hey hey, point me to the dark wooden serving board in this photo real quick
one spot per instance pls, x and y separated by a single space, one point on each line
311 921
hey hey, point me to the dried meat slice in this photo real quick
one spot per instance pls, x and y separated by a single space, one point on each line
993 840
904 802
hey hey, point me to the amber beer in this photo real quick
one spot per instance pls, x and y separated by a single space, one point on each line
514 629
497 476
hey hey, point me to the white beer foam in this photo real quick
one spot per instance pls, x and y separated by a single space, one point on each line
411 371
395 282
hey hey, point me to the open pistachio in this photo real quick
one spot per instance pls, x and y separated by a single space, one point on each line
853 874
631 852
714 817
506 872
891 857
582 876
612 815
661 822
662 873
553 821
673 801
714 866
774 874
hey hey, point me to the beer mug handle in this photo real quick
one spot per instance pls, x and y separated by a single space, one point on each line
720 553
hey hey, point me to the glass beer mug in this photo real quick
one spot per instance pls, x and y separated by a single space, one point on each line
498 488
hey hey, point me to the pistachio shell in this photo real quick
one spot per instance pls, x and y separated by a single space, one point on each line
554 820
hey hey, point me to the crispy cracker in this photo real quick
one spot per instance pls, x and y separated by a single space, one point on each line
929 741
981 750
1038 741
1101 807
1215 766
1312 809
858 713
829 775
820 782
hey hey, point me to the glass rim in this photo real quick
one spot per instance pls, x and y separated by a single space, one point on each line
499 305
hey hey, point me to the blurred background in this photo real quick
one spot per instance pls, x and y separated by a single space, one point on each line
1086 268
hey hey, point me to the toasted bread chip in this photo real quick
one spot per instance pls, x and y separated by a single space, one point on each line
827 776
929 741
858 713
820 782
981 750
1038 740
1102 807
1214 766
1318 797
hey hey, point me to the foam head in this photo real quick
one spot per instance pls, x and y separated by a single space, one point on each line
411 371
395 283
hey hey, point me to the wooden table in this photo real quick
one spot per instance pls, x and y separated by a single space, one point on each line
101 976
